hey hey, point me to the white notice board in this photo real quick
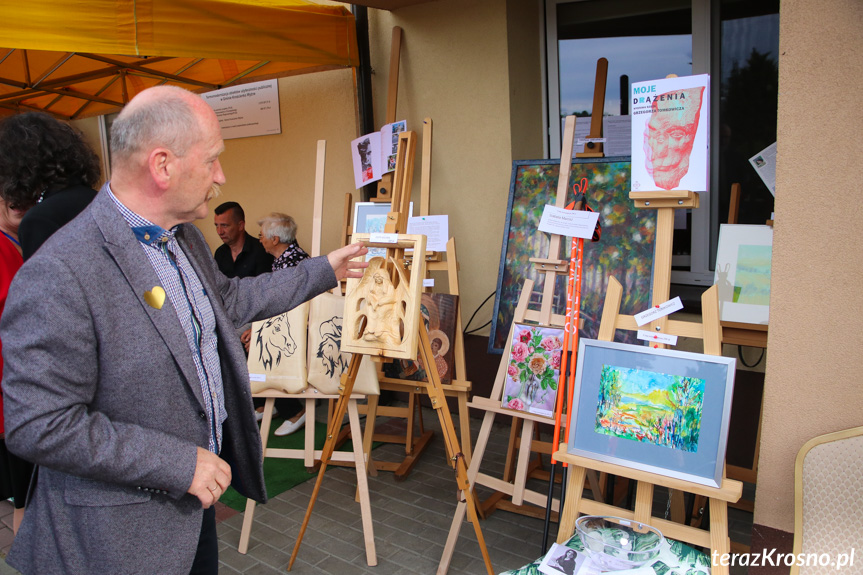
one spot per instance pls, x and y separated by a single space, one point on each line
247 109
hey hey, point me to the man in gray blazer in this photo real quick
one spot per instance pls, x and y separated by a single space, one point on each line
124 379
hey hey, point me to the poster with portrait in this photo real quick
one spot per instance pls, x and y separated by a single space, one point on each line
327 362
438 311
671 134
277 352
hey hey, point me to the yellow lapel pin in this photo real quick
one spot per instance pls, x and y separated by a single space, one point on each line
155 297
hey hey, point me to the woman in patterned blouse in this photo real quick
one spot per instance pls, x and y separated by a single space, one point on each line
279 237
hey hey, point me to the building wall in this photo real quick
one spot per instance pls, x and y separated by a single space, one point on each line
813 381
461 68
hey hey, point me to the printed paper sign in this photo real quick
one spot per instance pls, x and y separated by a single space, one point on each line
659 311
383 238
428 282
434 228
569 223
246 110
257 377
652 337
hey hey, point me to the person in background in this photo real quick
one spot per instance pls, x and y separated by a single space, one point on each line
47 169
47 175
14 472
123 378
279 238
240 255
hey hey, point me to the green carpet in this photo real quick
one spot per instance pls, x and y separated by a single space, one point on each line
282 474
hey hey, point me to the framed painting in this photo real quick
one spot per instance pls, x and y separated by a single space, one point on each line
742 276
657 410
533 369
624 252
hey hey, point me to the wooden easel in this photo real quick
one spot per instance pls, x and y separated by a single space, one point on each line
517 490
710 331
397 220
459 387
385 192
308 454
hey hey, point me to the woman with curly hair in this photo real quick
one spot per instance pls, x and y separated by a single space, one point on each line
47 174
48 170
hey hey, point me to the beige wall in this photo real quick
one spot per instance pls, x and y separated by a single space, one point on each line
813 383
277 173
455 69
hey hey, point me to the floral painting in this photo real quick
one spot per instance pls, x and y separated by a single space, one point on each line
533 369
650 407
625 251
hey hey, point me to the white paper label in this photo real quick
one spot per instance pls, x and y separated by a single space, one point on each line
659 311
257 377
434 228
569 223
583 141
663 338
428 282
379 238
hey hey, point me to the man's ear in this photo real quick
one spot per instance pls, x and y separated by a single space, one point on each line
241 225
161 162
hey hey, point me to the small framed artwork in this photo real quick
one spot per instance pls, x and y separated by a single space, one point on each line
657 410
370 218
533 369
742 276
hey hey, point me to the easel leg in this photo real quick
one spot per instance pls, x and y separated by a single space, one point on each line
249 514
362 485
329 446
438 401
368 434
461 508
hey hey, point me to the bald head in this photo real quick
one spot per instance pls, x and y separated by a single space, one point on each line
164 116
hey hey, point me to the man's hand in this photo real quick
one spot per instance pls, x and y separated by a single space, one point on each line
246 339
212 478
341 258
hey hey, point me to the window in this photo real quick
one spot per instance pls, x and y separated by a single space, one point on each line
736 41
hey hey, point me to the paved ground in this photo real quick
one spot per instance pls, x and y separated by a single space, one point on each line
411 521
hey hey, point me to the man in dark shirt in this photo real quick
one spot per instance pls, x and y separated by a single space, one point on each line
241 255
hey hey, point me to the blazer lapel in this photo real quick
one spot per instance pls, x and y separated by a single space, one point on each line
124 249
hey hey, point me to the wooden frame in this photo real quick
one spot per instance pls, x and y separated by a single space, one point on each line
357 331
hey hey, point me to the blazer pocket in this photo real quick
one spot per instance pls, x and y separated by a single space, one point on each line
82 492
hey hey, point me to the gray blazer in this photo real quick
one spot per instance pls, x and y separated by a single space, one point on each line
100 390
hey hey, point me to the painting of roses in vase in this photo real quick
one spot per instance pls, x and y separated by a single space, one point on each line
533 369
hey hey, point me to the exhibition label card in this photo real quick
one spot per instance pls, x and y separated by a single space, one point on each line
247 110
569 223
434 228
257 377
664 338
659 311
764 163
671 134
381 238
428 282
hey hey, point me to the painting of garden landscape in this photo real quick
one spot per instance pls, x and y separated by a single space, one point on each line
625 251
650 407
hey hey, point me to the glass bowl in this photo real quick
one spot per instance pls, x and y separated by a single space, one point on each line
614 544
